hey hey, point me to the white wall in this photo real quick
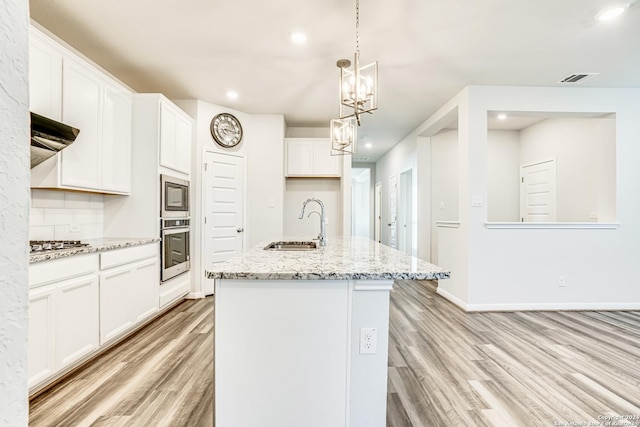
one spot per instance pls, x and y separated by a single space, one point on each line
503 166
518 268
300 189
65 215
263 149
584 149
14 212
307 132
444 183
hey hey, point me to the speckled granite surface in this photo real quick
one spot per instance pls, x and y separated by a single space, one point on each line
341 259
95 245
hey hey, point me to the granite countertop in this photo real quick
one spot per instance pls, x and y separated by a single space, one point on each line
95 245
342 259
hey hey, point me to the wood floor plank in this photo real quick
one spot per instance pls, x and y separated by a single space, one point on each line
446 368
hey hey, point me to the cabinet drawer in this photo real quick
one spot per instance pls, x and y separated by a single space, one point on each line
128 255
56 270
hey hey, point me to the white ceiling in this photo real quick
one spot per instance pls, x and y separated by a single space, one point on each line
428 50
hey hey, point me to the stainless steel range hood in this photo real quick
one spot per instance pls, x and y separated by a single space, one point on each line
48 137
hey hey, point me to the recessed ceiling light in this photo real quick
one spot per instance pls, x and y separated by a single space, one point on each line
368 145
298 37
502 116
232 94
611 13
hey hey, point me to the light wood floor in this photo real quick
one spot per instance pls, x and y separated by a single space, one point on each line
446 368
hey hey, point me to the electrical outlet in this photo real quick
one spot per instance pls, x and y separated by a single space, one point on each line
368 340
562 281
442 206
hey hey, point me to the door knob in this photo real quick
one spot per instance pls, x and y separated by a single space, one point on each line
240 230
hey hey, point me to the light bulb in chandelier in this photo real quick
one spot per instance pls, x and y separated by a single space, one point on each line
358 89
343 136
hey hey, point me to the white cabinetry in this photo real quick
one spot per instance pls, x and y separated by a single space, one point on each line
66 87
63 314
76 319
42 347
45 76
128 289
311 157
175 138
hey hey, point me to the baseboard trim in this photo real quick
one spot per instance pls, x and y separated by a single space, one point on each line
194 295
555 307
452 298
613 306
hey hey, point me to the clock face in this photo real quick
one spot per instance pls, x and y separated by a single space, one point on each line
226 130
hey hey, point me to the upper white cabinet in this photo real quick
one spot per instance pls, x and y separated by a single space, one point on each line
45 76
175 138
310 157
68 88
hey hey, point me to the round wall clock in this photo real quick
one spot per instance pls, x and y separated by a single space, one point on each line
226 130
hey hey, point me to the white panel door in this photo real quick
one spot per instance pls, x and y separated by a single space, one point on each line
538 192
224 216
393 211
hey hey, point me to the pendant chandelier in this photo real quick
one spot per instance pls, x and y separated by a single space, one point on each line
358 90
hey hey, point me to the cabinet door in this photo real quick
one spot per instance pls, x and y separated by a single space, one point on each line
81 106
115 293
167 136
144 291
116 139
41 359
324 164
77 318
299 157
183 144
45 76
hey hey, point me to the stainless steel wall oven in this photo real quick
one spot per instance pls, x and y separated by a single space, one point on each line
175 248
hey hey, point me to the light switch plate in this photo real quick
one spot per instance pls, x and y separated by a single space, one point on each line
476 201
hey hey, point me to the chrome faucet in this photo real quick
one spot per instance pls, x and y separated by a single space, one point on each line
323 230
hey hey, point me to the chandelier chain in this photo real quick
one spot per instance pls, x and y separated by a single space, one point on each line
358 27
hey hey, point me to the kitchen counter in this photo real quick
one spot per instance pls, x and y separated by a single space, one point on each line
95 245
346 258
302 337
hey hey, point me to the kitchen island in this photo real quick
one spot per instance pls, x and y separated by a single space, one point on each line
301 337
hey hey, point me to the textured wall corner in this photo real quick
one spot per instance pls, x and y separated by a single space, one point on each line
14 211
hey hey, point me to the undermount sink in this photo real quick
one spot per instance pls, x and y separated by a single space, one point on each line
291 246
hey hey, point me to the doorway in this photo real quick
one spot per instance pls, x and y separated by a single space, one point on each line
377 232
538 192
361 202
393 211
223 215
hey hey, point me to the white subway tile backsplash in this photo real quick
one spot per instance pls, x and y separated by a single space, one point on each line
42 232
77 200
58 216
66 215
96 201
36 217
47 199
85 216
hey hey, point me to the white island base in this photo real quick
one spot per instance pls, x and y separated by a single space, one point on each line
287 353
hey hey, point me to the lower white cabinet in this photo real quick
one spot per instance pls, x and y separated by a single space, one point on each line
79 303
63 315
42 341
76 319
128 295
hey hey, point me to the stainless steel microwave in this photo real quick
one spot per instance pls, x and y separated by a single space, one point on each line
174 197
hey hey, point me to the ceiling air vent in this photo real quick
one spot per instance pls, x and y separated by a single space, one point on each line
361 159
577 78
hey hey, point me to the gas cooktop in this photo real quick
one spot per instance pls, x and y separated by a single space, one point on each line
54 245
